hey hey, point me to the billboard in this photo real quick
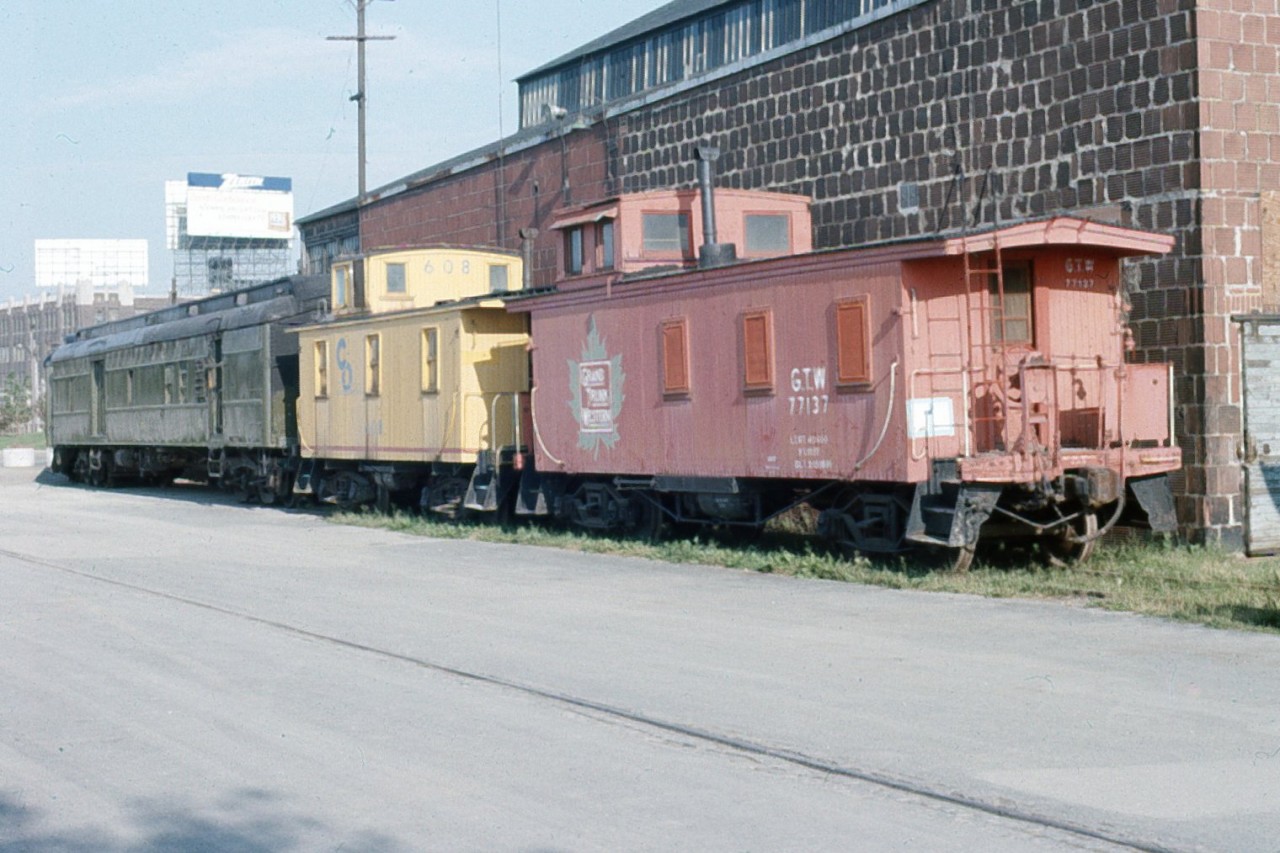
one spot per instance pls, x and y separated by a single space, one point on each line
240 206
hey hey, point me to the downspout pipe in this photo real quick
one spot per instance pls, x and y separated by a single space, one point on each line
527 236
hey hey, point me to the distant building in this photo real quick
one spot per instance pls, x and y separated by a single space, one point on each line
32 328
228 231
104 265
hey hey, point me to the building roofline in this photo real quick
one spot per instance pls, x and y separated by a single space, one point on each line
660 18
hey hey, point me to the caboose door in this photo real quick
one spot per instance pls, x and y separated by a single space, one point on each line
1261 348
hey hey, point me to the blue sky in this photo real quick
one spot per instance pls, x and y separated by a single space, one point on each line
105 100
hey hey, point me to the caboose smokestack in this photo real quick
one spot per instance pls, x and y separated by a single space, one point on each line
713 254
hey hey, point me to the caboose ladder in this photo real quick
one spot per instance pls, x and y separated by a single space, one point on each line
990 428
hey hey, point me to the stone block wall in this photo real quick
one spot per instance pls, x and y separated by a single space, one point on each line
967 113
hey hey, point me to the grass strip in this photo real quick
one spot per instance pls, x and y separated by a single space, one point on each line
1202 585
30 439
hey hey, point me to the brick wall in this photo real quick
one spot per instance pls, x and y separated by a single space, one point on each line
1161 113
463 209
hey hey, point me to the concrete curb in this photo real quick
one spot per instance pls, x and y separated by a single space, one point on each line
25 457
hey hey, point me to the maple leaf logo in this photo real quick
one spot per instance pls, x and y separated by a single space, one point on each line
596 395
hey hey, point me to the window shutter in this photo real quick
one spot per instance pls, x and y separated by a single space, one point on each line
757 340
853 342
675 358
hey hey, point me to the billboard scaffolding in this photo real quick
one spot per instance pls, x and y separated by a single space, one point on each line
228 231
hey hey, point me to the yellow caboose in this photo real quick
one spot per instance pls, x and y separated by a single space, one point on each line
414 388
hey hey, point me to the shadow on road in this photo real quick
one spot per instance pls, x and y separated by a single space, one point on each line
246 821
186 491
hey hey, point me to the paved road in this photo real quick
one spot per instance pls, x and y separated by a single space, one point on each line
178 672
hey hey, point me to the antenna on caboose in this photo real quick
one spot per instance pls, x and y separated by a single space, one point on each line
502 164
359 97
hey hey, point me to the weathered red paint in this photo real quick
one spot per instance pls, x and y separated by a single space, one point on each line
940 387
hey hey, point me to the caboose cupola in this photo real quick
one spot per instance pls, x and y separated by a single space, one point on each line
672 229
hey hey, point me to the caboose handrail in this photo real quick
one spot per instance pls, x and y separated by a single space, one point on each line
537 434
515 419
489 402
1058 366
888 416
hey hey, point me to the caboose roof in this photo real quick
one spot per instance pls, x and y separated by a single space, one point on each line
1056 231
1062 231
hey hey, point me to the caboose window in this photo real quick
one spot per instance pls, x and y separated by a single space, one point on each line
667 235
604 244
430 361
1011 317
573 251
853 342
498 278
341 285
395 279
675 358
757 351
372 365
767 234
322 369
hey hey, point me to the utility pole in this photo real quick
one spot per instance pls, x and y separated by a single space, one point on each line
359 97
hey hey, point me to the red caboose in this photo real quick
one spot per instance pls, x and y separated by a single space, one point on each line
917 393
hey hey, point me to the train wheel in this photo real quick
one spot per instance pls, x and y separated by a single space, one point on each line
242 486
647 520
943 558
80 468
1064 549
444 496
960 560
102 476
